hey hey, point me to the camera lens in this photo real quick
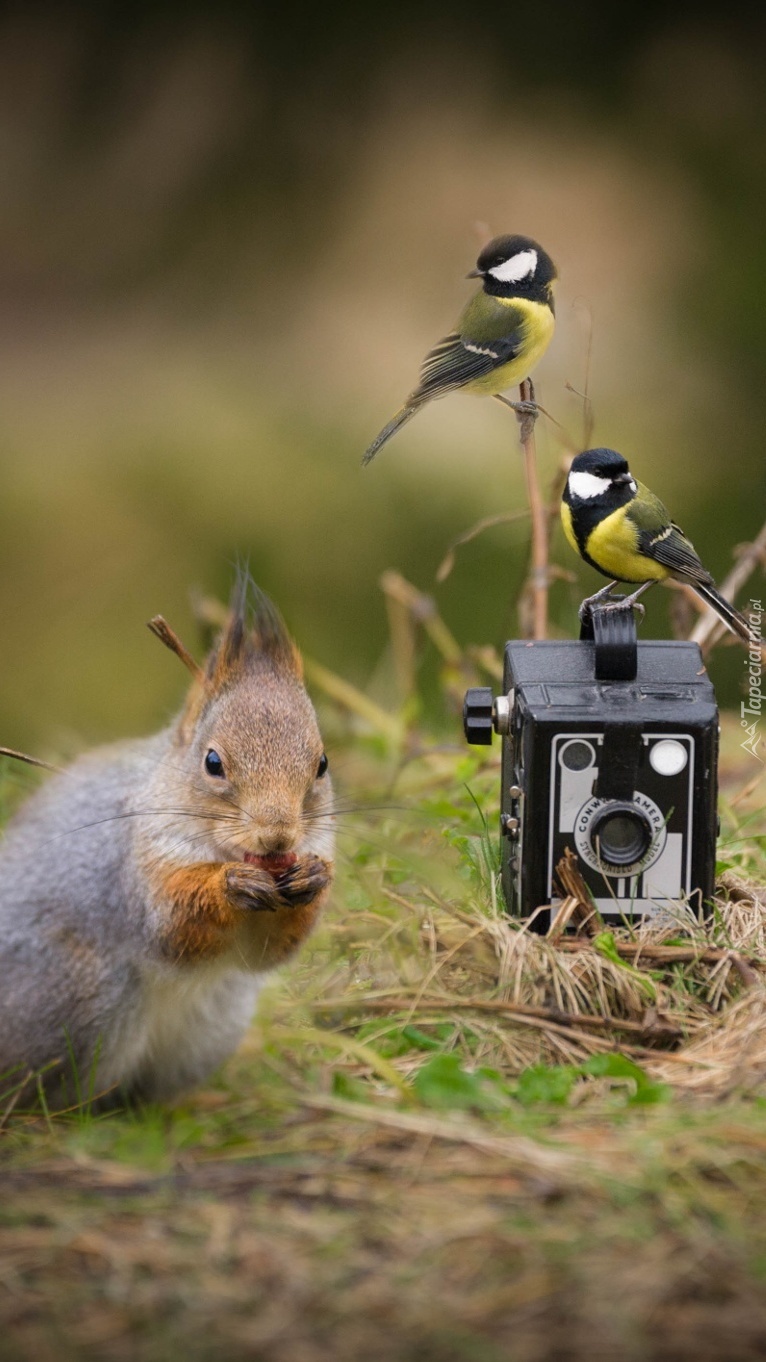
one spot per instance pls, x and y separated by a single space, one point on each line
620 834
577 755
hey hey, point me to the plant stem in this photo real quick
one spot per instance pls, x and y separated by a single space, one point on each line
539 558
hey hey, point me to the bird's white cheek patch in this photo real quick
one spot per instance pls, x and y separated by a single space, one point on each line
519 267
587 485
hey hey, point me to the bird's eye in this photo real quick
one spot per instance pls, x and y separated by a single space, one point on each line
323 765
213 764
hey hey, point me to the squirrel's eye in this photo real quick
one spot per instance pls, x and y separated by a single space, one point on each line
213 764
323 765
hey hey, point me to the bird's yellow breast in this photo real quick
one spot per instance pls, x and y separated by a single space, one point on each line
613 546
566 521
536 331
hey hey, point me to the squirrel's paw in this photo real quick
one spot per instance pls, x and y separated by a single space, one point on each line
303 881
251 888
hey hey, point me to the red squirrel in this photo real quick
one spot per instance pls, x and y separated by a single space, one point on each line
147 889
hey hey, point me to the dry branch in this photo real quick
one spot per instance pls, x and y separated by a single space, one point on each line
578 906
525 1153
422 609
709 628
539 558
654 954
658 1029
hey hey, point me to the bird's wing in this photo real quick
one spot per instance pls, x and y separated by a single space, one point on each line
659 538
458 360
671 548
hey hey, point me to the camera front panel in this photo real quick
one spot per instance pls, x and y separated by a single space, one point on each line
635 855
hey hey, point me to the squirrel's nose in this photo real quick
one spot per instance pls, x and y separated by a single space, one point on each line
277 835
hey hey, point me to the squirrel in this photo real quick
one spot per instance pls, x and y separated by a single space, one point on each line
147 889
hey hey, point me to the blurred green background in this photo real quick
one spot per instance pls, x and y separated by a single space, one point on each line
229 233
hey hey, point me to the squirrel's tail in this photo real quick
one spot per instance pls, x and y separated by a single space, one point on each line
404 414
725 611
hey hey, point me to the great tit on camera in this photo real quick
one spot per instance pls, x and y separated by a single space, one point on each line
500 335
624 531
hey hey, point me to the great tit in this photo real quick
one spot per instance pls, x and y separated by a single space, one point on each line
501 333
624 531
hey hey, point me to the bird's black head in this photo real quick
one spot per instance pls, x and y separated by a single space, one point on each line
599 476
515 266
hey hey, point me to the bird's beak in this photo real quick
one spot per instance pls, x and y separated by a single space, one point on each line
621 479
475 274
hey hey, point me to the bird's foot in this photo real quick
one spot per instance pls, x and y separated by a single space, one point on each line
528 410
601 596
606 601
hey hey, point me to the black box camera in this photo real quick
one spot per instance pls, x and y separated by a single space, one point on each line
609 749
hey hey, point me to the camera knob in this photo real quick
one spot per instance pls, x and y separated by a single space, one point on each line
477 715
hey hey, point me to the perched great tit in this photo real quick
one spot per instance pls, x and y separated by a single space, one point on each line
500 335
624 531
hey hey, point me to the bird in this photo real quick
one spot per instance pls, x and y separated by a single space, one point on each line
500 335
623 530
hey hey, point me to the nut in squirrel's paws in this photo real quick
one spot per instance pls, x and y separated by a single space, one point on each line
276 863
251 888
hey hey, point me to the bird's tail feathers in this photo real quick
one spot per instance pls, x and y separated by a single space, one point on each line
402 417
725 611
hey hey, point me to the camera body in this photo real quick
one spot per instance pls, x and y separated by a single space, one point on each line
621 768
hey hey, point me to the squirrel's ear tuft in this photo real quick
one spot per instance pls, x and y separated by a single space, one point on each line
269 635
255 630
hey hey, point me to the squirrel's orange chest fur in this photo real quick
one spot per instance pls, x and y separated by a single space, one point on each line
200 922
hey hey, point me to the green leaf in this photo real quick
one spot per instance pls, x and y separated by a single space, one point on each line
604 943
443 1083
419 1039
343 1085
619 1066
546 1083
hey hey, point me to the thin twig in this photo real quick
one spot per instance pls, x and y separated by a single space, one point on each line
448 561
523 1151
656 954
423 610
550 1016
8 1111
709 628
167 635
742 890
343 693
538 575
587 406
28 761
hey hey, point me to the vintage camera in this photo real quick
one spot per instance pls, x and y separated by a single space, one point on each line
610 749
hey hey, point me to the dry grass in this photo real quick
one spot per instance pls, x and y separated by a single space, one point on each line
322 1200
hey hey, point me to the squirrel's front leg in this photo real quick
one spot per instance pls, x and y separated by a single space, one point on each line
304 881
203 905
